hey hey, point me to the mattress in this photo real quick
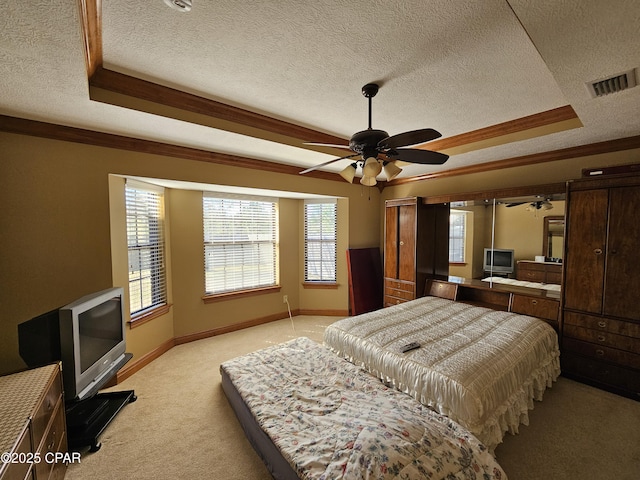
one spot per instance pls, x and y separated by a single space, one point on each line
480 367
328 419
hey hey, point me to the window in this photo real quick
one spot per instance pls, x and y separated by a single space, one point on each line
320 241
240 243
145 242
457 228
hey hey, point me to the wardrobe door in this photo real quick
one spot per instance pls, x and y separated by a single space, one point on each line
407 243
391 242
585 256
622 281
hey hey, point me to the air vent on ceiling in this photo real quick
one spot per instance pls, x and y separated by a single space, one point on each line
616 83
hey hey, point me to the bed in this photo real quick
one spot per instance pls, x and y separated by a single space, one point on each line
482 368
312 415
554 287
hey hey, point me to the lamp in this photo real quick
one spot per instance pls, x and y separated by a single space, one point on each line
391 170
349 172
372 167
368 181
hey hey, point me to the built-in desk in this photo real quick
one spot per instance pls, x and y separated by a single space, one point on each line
543 304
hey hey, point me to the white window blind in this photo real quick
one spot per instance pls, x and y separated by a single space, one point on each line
145 241
457 227
320 241
240 243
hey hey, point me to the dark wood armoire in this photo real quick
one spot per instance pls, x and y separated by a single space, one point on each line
416 247
601 292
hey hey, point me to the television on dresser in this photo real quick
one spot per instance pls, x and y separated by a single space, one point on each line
87 335
498 260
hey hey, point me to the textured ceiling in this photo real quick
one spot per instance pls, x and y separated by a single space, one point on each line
454 66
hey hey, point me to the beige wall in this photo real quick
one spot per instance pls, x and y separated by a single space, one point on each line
60 207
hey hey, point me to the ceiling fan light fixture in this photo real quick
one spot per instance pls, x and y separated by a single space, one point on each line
368 181
372 167
180 5
391 170
349 172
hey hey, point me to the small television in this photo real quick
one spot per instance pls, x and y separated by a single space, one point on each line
87 335
498 260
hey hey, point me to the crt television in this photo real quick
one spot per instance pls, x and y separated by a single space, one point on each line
87 335
498 260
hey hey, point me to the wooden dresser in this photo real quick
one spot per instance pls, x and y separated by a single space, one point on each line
601 317
541 272
32 424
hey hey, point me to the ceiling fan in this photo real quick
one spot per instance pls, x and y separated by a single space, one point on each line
537 205
379 151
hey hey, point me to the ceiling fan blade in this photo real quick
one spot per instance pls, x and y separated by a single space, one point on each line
328 163
514 204
326 145
409 138
415 155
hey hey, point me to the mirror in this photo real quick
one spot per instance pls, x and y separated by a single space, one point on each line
553 237
518 223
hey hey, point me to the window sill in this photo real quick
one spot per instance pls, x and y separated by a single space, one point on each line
320 285
221 297
145 316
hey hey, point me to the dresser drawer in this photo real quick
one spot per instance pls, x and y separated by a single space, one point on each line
54 441
603 338
601 352
18 470
389 301
403 294
536 307
600 372
45 410
400 285
532 275
619 327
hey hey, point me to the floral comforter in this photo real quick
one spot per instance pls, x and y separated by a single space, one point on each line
331 420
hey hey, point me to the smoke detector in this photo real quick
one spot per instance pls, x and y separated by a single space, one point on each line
180 5
613 84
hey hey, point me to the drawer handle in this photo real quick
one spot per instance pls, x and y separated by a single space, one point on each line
600 353
534 302
598 251
602 338
602 324
401 243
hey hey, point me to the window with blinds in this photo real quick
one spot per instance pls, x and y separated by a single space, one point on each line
145 241
457 227
320 241
240 243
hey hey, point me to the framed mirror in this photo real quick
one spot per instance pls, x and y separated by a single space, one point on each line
553 237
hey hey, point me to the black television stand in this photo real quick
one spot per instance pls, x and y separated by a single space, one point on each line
88 418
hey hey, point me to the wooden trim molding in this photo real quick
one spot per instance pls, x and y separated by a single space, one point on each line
137 364
549 117
221 297
233 328
320 285
546 189
148 315
608 146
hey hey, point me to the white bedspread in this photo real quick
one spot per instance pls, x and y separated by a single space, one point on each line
333 421
480 367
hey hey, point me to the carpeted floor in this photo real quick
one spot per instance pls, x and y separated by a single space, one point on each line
182 427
